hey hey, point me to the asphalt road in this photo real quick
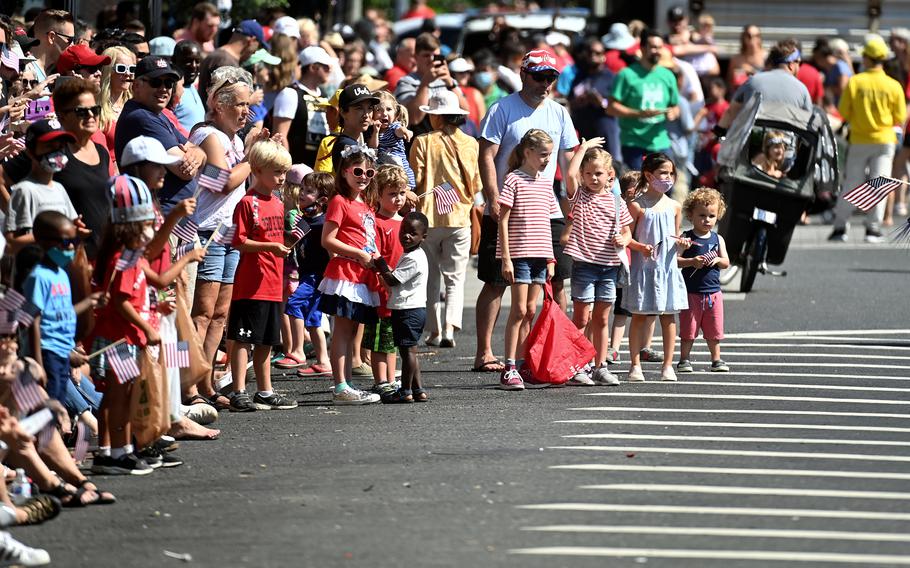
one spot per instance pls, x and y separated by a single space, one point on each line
800 456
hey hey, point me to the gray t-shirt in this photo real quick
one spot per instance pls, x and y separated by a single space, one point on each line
412 271
777 85
29 198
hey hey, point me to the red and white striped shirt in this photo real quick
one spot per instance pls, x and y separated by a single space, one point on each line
532 202
594 226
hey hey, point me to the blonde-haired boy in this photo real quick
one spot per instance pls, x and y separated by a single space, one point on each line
256 306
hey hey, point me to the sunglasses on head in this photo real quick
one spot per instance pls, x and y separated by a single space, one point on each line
85 112
544 77
360 172
157 82
124 69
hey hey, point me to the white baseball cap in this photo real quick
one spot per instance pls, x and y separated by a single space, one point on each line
146 149
314 54
288 26
444 102
460 65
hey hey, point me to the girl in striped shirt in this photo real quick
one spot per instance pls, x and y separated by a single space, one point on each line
525 245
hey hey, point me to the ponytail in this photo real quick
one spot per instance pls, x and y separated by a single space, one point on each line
532 140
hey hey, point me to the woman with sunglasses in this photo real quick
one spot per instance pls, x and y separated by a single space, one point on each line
116 89
88 165
750 59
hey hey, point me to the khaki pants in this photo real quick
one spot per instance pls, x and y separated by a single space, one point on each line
448 250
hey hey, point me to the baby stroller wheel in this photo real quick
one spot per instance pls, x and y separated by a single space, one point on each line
756 249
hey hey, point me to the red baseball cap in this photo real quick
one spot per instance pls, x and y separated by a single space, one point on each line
539 60
76 55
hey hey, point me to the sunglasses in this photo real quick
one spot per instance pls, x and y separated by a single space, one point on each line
67 243
124 69
29 83
85 112
158 82
360 172
68 38
544 77
90 69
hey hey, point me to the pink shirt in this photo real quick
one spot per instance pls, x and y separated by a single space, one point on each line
594 226
532 203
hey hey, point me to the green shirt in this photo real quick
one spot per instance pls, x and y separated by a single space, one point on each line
639 89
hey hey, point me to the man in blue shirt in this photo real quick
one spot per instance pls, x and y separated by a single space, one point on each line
187 59
141 116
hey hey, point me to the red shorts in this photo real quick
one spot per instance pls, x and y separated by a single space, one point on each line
705 313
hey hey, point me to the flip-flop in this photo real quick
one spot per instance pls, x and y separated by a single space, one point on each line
494 366
315 370
290 362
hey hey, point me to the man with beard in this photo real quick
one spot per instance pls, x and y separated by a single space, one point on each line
644 98
502 129
187 60
589 96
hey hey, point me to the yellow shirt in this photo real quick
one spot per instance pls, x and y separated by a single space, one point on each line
437 158
324 155
873 103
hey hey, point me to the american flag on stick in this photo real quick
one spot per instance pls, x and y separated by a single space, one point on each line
446 197
128 259
213 178
12 300
26 391
867 194
301 228
710 256
123 364
46 435
83 437
184 250
186 230
177 355
224 235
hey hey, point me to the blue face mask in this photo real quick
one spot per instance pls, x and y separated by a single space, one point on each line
483 79
60 257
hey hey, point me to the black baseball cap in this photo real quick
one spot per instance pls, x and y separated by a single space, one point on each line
676 13
153 66
45 131
353 94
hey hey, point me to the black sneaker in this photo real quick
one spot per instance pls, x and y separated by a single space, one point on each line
129 464
151 456
273 401
166 444
838 236
241 402
874 236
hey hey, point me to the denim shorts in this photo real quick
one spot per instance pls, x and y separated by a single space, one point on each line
530 270
220 262
593 282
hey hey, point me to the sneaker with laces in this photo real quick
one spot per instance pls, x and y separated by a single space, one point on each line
719 366
14 553
684 366
635 375
874 236
838 236
128 464
581 379
273 401
668 375
651 356
603 376
511 380
241 402
351 397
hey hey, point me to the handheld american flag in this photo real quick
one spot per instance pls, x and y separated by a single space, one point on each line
26 392
186 230
177 355
128 259
867 194
224 235
709 257
83 437
123 364
213 178
301 228
183 250
12 300
46 435
446 197
26 313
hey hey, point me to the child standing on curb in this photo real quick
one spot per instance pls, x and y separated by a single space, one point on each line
701 265
600 232
255 318
408 301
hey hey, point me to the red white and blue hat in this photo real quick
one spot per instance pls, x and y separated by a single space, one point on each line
132 200
539 60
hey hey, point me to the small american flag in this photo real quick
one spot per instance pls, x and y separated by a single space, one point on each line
123 364
184 250
12 300
213 178
128 259
446 197
25 315
186 230
867 194
83 437
225 235
710 256
26 391
301 228
46 435
177 355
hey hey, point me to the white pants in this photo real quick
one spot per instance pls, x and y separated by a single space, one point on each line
864 161
168 331
448 250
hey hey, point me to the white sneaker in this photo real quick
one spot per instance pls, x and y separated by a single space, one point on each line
580 379
635 375
200 413
14 553
603 376
350 397
668 375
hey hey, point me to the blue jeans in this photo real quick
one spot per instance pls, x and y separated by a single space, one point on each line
59 374
79 398
220 262
593 282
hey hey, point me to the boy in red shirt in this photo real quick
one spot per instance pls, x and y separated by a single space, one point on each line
256 302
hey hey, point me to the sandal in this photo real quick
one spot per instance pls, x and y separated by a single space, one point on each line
196 399
494 366
104 497
398 397
421 395
315 370
289 362
39 509
73 499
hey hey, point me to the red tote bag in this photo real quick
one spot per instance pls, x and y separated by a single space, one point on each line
556 349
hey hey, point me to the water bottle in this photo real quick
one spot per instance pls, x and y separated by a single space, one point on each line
21 489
